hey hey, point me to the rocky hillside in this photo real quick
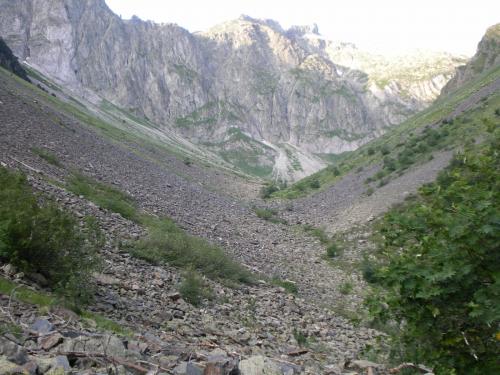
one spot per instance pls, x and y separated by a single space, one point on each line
486 57
268 100
10 62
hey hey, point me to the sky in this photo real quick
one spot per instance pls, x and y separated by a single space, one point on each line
385 26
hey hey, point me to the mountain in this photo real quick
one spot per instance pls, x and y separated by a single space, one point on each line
10 62
268 100
486 57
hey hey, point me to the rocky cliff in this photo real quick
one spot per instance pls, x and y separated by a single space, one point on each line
486 57
268 100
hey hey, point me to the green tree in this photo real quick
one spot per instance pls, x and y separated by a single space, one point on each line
439 282
41 238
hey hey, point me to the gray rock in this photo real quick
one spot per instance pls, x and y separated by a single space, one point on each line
42 326
259 365
187 368
13 352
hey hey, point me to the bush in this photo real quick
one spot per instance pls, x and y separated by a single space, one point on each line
385 150
168 244
346 288
370 151
440 278
314 183
193 289
267 190
289 286
300 337
332 250
269 215
43 239
103 195
48 156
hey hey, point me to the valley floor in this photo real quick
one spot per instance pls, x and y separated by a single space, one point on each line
240 323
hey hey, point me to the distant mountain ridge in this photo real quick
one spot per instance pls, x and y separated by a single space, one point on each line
486 57
268 100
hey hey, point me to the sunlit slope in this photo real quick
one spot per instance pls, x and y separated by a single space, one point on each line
453 120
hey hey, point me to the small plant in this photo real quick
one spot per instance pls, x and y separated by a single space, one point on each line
46 155
332 250
346 288
371 151
193 289
269 215
314 183
385 150
268 189
300 337
369 191
289 286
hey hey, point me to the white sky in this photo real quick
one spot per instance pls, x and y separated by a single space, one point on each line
380 25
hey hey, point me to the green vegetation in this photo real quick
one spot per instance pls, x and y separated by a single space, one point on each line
209 114
332 250
193 289
414 141
437 284
103 195
40 238
289 286
269 215
10 62
46 155
46 300
166 243
300 337
332 247
346 288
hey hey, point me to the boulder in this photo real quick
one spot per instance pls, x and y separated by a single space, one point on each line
259 365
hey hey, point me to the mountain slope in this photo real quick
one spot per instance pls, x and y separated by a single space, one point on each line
408 144
486 57
286 90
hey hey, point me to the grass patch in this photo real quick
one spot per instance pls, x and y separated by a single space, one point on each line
166 243
106 324
103 195
269 215
193 289
300 337
46 155
41 299
346 288
289 286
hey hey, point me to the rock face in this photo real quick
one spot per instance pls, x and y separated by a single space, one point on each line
266 99
487 56
10 62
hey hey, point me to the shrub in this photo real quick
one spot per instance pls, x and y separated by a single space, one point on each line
193 289
440 278
346 287
269 215
103 195
289 286
43 239
166 243
314 183
267 190
300 337
48 156
369 191
385 150
370 151
332 250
